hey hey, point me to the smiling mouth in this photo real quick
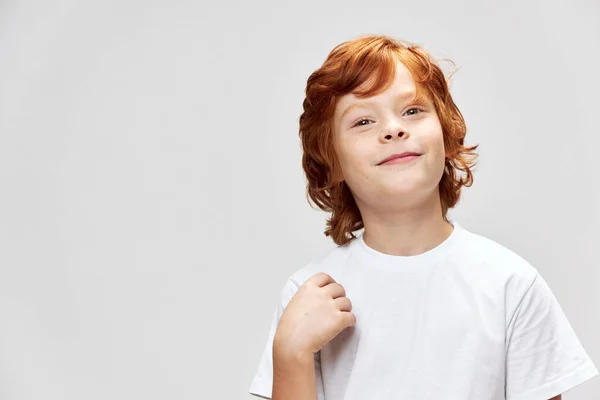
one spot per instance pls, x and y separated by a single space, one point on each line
400 160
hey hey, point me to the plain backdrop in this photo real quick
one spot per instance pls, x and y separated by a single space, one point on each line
152 199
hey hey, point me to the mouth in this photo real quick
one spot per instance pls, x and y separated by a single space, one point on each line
400 158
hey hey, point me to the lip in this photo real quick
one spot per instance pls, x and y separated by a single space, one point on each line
403 157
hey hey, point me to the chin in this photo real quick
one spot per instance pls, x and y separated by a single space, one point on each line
402 190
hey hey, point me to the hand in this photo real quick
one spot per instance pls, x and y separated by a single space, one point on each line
316 314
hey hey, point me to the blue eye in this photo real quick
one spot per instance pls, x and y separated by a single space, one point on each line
358 123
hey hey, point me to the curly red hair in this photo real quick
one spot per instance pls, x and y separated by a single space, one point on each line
349 65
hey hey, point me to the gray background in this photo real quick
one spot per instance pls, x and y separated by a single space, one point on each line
152 201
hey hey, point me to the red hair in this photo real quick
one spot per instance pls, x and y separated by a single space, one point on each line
348 66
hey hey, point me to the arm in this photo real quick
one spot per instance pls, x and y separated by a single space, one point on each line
293 376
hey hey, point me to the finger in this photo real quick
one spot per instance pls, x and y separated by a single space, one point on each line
320 279
335 290
348 318
343 304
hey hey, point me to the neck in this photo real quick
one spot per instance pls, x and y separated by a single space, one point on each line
406 232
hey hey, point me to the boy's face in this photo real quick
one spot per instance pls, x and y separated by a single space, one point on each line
361 146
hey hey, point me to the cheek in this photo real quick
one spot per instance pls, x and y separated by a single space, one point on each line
436 156
435 142
352 151
356 161
345 155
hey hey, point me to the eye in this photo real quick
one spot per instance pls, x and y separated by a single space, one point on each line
414 108
358 123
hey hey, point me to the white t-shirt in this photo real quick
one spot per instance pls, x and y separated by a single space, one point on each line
469 319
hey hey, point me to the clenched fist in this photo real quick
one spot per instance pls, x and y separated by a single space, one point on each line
318 312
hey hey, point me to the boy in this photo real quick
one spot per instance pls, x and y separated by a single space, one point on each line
433 311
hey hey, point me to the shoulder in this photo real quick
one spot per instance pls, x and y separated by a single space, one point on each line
494 257
330 262
496 265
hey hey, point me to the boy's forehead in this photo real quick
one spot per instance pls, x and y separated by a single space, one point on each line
402 84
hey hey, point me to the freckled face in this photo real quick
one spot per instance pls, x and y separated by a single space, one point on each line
366 132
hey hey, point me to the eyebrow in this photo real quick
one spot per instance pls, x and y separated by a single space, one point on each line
419 99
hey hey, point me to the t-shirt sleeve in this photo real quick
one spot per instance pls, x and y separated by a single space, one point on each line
544 357
262 383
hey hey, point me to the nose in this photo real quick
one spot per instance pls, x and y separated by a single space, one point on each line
389 137
393 129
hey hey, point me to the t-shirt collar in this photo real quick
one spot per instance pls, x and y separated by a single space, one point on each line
373 258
